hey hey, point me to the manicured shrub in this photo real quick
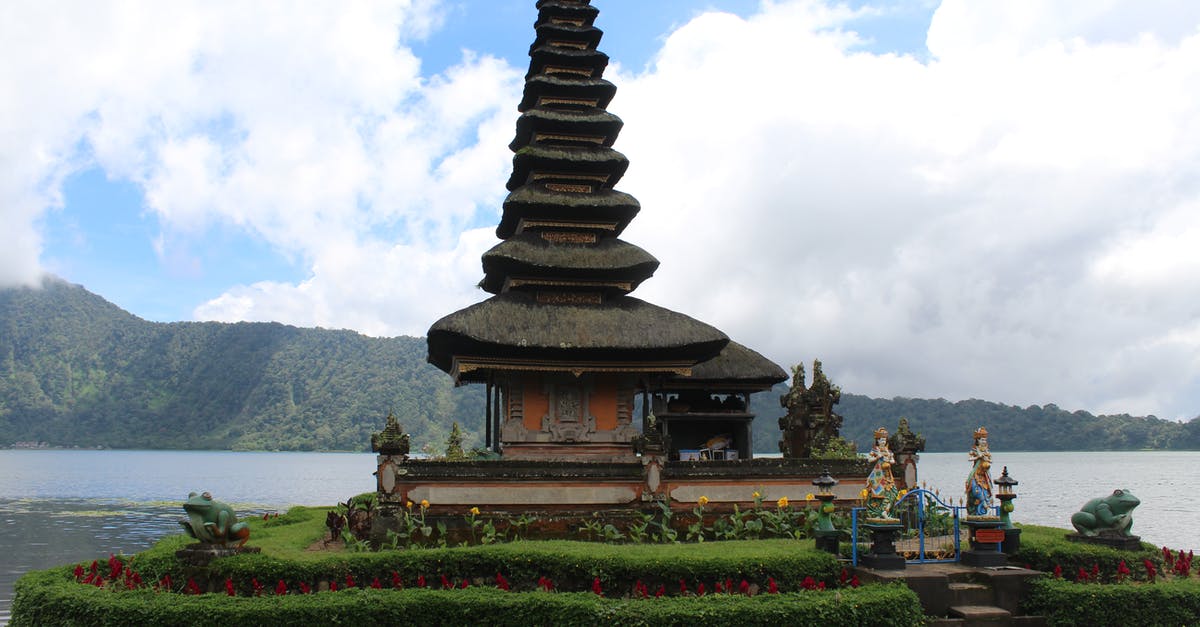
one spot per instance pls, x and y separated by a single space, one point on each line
1044 548
54 597
1173 602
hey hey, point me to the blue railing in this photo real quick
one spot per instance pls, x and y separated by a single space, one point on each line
926 505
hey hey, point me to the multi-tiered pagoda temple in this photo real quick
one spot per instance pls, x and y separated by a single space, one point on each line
562 346
565 352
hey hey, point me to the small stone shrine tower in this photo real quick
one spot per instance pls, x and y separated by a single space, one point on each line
561 345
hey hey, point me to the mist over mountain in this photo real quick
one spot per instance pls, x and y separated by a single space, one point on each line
76 370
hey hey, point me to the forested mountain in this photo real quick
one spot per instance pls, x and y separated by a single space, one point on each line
76 370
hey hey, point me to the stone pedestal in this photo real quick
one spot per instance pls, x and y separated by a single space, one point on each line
985 546
1111 539
883 554
1012 541
827 540
202 554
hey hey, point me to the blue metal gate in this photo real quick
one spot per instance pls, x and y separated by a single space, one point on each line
932 532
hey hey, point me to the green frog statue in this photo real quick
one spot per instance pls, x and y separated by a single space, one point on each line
213 522
1109 514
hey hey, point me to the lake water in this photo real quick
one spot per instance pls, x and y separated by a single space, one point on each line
59 507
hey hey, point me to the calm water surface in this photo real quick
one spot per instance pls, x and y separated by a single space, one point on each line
59 507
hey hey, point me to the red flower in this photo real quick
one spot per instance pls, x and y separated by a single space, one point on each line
844 577
375 584
700 589
772 587
421 581
640 589
305 588
281 588
446 585
333 586
114 566
1082 576
1122 570
744 587
596 587
397 583
350 582
662 589
192 588
808 584
464 585
229 587
1168 557
99 582
683 588
1096 572
854 582
258 587
165 582
1151 571
266 516
137 579
1057 571
78 572
95 565
820 585
502 583
718 588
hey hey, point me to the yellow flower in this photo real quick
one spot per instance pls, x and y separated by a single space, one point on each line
474 511
756 495
408 505
863 494
809 496
783 502
425 503
901 494
703 500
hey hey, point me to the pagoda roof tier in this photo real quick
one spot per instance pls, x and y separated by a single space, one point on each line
567 35
566 62
588 127
737 368
578 12
537 203
516 325
600 167
609 261
561 93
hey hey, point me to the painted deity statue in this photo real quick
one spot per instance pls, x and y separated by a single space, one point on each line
881 486
979 482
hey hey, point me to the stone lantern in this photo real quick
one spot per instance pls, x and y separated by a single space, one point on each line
826 534
1005 492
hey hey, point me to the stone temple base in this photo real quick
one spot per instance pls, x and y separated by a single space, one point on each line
201 553
1109 539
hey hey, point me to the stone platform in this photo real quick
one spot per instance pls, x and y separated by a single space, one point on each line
1109 539
955 594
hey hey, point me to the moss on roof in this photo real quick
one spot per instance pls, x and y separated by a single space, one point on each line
536 202
567 159
514 324
739 364
530 255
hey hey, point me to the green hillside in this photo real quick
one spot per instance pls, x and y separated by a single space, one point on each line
76 370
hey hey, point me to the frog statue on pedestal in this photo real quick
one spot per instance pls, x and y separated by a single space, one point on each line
213 522
1110 514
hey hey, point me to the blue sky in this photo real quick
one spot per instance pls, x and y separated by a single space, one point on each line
937 198
103 237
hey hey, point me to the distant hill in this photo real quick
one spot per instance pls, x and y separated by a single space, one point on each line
76 370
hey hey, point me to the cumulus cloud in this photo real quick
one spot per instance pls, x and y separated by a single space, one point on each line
313 130
1013 219
1013 216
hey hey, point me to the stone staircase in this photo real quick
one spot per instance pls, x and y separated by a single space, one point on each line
953 594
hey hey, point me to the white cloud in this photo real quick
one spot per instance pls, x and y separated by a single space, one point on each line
1014 219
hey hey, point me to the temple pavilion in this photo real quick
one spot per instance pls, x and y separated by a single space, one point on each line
562 346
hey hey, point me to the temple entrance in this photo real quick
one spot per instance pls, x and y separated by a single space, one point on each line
931 530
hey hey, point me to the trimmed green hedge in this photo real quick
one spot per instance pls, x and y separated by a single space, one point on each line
53 598
1172 602
1043 548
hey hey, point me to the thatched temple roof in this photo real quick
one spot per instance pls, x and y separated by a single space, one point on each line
531 255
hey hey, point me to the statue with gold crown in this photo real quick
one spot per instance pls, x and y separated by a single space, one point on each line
881 485
979 482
